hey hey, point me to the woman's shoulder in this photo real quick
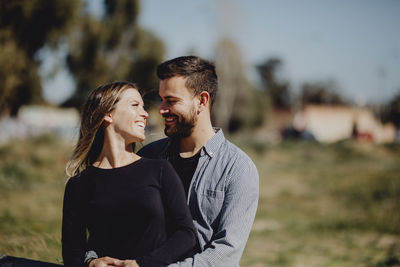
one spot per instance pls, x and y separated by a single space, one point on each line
154 162
160 165
78 179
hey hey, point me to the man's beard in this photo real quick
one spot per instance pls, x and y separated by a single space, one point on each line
184 125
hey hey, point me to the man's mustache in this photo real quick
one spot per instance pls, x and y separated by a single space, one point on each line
169 116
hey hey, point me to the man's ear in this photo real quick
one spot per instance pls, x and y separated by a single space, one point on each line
204 102
108 118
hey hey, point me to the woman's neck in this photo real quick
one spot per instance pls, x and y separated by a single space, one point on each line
114 154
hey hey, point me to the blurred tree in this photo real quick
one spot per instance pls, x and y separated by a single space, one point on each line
321 93
239 104
278 90
25 27
261 106
391 111
229 67
113 47
250 108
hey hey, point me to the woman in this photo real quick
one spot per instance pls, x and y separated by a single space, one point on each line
133 209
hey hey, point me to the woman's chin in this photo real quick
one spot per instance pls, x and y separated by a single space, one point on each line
140 138
135 140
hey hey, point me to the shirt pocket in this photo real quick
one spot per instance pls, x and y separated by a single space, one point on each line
211 204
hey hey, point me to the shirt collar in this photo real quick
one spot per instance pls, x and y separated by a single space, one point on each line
212 145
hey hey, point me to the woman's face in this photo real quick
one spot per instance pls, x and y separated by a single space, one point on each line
129 117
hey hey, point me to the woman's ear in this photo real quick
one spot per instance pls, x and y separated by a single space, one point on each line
204 98
108 118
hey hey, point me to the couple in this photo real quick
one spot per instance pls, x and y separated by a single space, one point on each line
133 206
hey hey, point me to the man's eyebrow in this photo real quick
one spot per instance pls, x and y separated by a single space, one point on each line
169 97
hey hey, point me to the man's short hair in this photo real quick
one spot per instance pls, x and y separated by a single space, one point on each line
199 73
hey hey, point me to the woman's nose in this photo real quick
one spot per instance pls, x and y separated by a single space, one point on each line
144 113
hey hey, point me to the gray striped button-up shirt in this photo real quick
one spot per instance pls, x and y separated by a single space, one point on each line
222 198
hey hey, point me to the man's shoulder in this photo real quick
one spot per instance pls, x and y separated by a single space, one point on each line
235 152
226 149
237 159
154 149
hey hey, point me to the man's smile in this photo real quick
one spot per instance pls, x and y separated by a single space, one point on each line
170 118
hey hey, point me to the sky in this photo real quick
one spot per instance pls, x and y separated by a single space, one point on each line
355 43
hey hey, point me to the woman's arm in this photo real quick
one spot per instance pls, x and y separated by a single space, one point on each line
182 237
73 225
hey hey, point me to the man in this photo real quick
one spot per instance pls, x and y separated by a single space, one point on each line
220 180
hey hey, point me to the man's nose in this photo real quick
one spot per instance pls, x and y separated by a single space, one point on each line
163 109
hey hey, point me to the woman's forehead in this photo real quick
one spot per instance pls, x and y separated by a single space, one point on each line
130 94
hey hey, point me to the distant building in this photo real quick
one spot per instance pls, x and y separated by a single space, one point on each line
335 123
37 120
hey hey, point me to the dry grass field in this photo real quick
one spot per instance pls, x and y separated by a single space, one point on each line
320 205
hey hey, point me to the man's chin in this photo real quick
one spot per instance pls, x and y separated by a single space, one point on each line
169 132
173 133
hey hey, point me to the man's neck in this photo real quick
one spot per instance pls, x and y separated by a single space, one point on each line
191 145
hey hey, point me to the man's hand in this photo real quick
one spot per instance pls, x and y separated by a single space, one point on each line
107 261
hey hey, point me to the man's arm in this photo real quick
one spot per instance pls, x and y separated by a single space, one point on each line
237 217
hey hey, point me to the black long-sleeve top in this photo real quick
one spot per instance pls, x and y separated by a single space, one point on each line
135 212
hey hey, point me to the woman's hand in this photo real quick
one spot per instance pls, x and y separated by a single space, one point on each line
130 263
107 261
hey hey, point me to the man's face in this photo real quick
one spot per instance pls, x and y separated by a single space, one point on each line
178 107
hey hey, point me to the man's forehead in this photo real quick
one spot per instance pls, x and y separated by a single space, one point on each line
173 87
175 80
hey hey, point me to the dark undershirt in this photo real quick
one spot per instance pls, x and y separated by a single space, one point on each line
137 212
185 167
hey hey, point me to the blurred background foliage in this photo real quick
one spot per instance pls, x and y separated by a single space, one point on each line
100 49
25 27
113 47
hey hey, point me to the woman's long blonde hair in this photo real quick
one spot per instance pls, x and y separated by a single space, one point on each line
91 134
